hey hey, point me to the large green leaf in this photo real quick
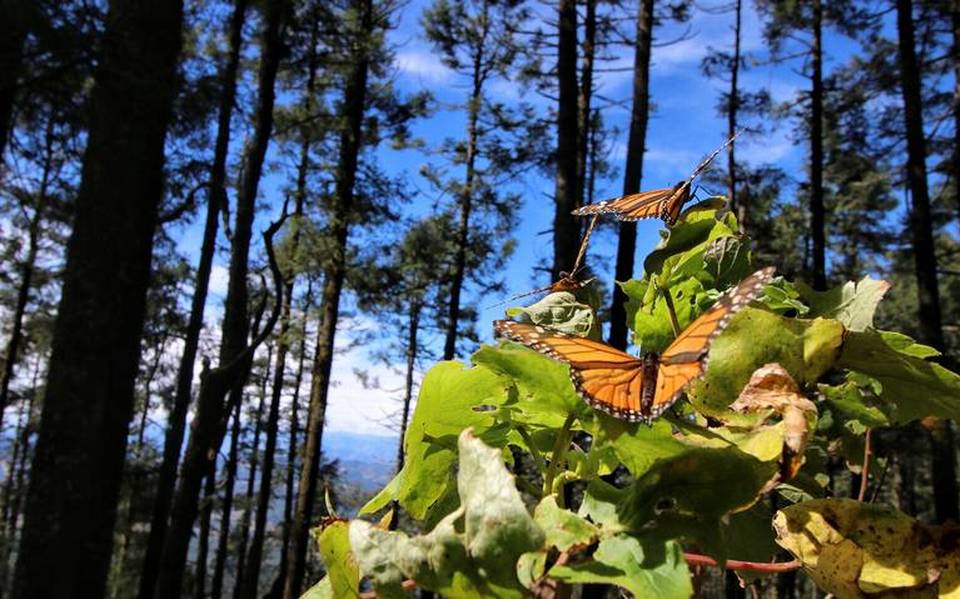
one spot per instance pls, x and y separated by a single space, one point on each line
563 528
560 311
911 387
853 304
338 559
848 410
645 565
650 317
448 395
473 551
637 446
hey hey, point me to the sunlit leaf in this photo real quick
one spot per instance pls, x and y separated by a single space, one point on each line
853 304
338 559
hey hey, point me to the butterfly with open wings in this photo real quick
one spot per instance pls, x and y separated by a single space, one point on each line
631 388
663 203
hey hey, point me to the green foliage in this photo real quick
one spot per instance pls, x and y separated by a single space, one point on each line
796 375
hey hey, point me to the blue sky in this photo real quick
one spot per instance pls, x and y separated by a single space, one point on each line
683 128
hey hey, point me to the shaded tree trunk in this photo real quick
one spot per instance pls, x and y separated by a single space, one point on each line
251 481
925 258
226 509
584 128
351 140
414 326
817 225
177 421
955 17
203 537
11 353
276 589
633 171
78 463
251 581
736 203
209 425
566 188
16 16
466 197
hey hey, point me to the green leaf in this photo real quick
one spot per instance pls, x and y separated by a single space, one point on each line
805 348
906 345
911 387
448 394
321 590
545 395
473 551
648 311
646 566
748 535
636 445
563 528
683 245
338 559
849 411
853 304
562 312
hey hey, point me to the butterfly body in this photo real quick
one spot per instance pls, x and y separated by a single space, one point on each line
625 386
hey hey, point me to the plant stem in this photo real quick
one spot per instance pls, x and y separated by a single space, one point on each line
865 471
556 458
674 323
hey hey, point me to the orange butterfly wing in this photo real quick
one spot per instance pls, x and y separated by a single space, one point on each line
636 206
607 378
685 359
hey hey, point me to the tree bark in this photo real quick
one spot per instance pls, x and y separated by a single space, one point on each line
925 259
466 196
955 17
817 225
78 464
177 421
16 16
566 188
735 202
584 129
203 537
251 481
26 273
414 326
633 170
226 508
351 141
251 581
209 425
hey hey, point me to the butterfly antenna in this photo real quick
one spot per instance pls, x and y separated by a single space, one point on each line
583 246
709 159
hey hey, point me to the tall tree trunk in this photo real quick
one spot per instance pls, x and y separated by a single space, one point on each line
209 425
203 537
414 326
925 259
817 225
16 16
351 141
955 17
26 273
566 188
226 509
739 208
251 581
633 171
78 464
584 128
466 196
251 481
177 421
276 589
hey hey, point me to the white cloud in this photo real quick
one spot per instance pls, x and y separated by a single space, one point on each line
219 278
423 65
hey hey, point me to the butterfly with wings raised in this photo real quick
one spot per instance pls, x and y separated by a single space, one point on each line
663 203
632 388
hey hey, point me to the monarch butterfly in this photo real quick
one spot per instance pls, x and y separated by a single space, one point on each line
658 203
631 388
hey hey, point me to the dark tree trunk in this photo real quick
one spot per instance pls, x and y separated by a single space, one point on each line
817 225
209 425
78 464
203 537
251 581
466 197
584 129
633 171
351 140
955 16
414 326
226 508
734 106
251 481
565 226
11 354
925 259
276 589
177 421
16 16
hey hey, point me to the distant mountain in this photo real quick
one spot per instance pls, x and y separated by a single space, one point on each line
366 461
